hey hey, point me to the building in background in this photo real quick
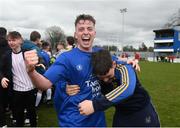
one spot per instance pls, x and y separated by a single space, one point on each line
167 43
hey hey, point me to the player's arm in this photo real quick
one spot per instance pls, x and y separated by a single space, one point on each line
121 92
59 71
117 95
124 61
39 80
135 64
31 60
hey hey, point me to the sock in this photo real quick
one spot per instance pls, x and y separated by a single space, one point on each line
38 98
48 93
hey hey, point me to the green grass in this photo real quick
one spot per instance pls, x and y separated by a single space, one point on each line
47 116
161 80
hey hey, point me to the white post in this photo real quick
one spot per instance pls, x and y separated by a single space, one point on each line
124 10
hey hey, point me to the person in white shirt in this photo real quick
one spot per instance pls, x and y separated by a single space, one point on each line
16 78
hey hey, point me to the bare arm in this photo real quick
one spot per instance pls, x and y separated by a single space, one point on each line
31 60
39 80
134 63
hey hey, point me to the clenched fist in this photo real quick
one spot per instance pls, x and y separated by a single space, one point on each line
31 60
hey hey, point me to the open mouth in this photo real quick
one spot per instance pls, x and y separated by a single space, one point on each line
85 40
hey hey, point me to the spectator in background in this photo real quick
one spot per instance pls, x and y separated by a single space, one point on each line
137 56
60 48
35 37
4 47
70 42
157 58
34 43
14 76
45 52
123 57
171 58
48 47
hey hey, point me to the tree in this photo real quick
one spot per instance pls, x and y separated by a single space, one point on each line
174 20
143 47
129 48
110 47
113 48
55 34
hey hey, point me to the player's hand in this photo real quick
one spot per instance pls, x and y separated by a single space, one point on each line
72 89
41 65
123 59
4 82
31 59
135 64
86 107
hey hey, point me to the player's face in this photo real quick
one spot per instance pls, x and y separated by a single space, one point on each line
60 47
108 78
15 44
85 34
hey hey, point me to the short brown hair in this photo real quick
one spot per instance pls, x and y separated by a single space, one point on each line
45 44
14 35
34 36
84 17
101 62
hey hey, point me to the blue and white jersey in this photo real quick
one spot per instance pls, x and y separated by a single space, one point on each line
75 67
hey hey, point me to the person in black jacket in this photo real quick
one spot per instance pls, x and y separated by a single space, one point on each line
133 107
4 47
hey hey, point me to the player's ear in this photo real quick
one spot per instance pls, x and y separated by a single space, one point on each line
75 35
113 64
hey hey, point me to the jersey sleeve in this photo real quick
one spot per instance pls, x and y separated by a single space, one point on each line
121 92
59 71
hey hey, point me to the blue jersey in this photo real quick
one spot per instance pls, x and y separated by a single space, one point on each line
126 92
124 84
131 100
75 67
29 45
46 58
